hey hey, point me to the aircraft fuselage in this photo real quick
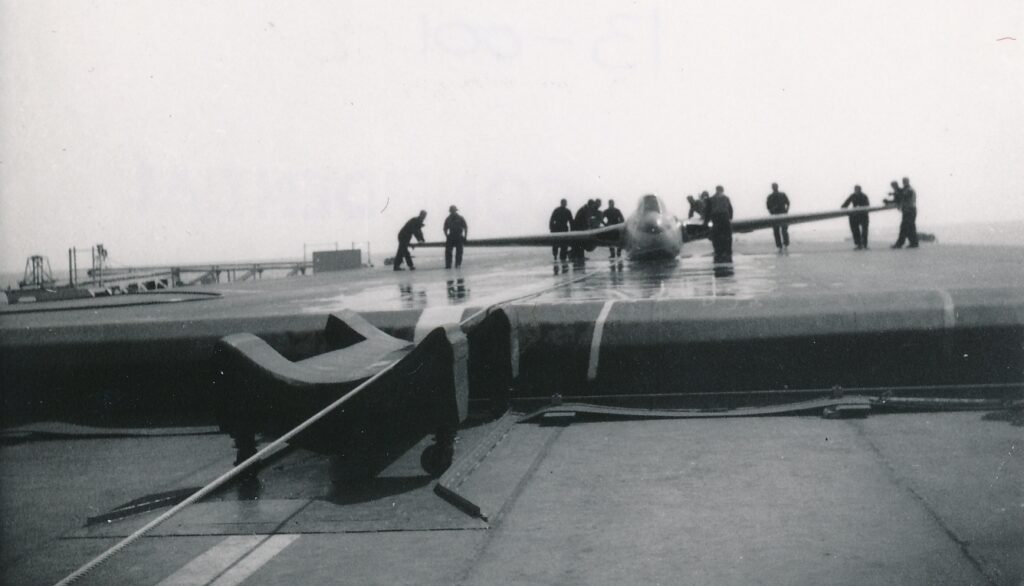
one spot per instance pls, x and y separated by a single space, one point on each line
651 233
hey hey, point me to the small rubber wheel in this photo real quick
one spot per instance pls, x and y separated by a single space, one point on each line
435 459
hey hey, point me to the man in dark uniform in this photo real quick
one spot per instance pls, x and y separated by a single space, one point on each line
895 196
612 216
581 222
561 221
720 215
413 227
908 206
455 233
596 217
697 206
858 222
693 206
777 204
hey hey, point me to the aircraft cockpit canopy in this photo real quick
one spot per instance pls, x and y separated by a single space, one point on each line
650 203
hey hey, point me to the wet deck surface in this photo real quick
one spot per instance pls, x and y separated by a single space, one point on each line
495 276
897 499
893 499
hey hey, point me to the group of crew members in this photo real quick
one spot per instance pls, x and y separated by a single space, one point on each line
455 233
715 211
588 216
904 198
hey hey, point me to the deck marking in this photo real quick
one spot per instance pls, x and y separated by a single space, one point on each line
213 561
948 322
229 562
595 342
948 309
248 565
433 317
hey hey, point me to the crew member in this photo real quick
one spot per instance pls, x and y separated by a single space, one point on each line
455 233
414 227
596 217
698 206
561 221
582 218
612 216
895 196
778 203
702 206
693 206
720 215
581 221
858 222
908 207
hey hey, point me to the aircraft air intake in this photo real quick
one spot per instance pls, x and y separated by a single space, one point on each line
652 225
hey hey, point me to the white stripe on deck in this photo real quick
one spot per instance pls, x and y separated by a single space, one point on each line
230 562
595 342
948 309
255 560
948 322
433 317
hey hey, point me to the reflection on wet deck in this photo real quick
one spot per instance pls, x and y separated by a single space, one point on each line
509 277
686 278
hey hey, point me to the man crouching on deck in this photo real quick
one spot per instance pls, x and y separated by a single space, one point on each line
414 227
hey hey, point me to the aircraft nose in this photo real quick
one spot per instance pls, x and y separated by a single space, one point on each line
652 225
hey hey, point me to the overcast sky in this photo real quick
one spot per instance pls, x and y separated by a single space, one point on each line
176 131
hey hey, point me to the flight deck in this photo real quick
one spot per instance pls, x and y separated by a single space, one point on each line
949 314
105 427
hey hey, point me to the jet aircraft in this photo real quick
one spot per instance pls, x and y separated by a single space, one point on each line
651 232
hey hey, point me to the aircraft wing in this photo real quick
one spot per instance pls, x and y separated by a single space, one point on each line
604 236
698 231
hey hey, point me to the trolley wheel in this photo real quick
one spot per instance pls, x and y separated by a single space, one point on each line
436 458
